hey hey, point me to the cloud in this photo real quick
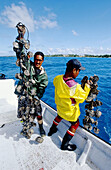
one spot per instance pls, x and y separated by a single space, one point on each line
79 51
47 9
65 51
52 16
20 13
75 33
45 22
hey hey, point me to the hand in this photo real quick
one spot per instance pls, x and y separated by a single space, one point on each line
88 82
29 54
83 81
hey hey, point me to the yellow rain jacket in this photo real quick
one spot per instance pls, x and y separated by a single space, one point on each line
63 93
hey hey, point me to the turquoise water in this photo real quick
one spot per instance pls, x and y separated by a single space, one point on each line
56 65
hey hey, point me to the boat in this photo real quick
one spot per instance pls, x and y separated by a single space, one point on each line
17 152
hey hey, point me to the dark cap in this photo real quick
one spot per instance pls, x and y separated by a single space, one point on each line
74 63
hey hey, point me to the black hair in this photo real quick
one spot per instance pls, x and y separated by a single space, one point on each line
70 68
39 53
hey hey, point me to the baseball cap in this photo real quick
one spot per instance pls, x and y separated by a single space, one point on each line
74 63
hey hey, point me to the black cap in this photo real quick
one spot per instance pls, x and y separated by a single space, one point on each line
74 63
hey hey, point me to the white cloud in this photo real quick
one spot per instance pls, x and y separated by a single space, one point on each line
75 33
20 13
79 51
47 9
52 16
65 51
14 14
45 22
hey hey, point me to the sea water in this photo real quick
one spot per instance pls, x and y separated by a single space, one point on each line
56 66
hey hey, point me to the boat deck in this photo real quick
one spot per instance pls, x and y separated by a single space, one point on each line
17 152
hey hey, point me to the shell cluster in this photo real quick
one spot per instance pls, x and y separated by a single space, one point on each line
90 121
27 102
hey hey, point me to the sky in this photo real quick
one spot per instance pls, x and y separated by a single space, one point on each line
58 26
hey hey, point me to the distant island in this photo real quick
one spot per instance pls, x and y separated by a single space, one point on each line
75 55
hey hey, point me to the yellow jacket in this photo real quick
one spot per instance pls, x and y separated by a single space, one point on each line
63 93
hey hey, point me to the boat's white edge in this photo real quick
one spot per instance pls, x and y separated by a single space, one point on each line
84 131
92 141
93 148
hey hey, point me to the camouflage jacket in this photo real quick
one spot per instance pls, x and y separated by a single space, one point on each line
40 81
40 78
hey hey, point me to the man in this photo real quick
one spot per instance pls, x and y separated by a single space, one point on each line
41 82
68 95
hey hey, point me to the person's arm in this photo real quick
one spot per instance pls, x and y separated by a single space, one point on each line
42 85
80 94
